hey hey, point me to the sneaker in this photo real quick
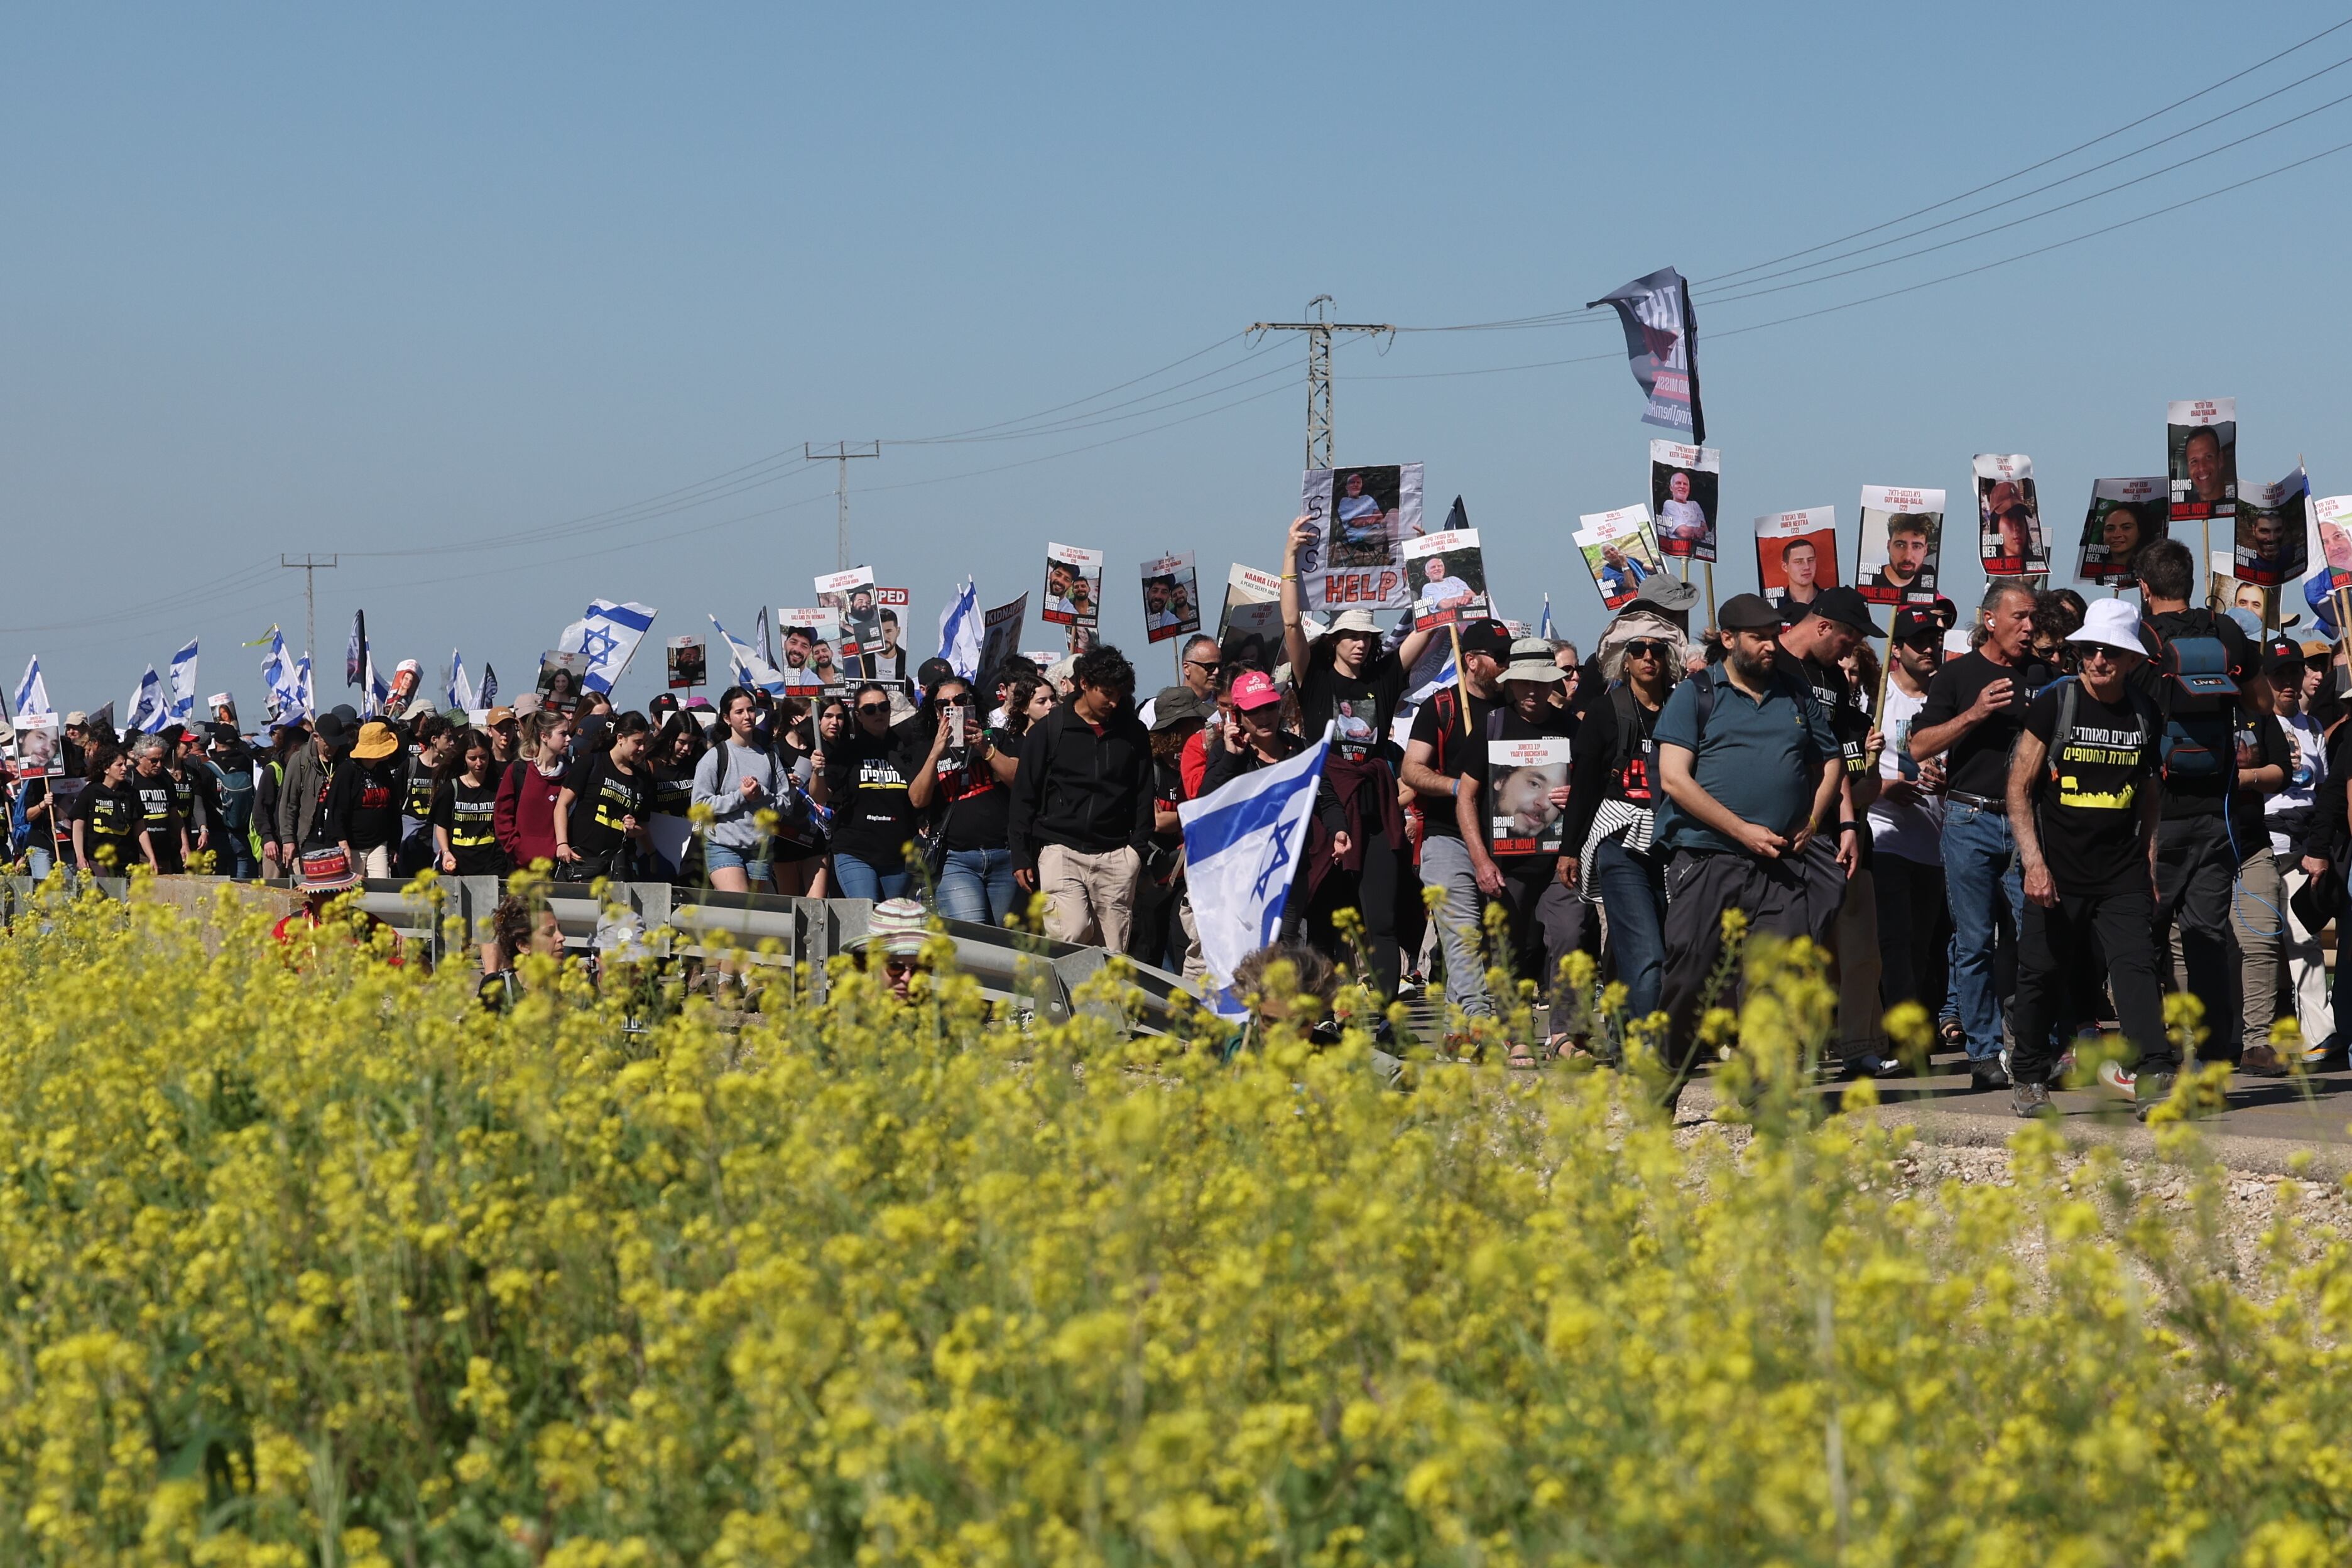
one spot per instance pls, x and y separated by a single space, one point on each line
1987 1076
2031 1100
2261 1061
1410 985
2064 1070
2149 1091
2116 1076
1870 1066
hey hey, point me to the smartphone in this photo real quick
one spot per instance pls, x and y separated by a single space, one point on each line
956 732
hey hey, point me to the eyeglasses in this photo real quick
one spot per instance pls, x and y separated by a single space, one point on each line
874 707
1642 648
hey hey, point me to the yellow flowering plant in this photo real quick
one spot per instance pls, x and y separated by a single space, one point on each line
311 1259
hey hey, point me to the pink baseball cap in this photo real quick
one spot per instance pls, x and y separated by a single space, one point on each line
1254 689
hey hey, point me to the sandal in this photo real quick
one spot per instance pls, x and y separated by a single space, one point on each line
1522 1059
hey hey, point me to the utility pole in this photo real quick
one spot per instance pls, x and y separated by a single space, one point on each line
841 454
1319 369
310 566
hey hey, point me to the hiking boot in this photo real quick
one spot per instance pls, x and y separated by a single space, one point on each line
2149 1090
2261 1061
1984 1077
2030 1099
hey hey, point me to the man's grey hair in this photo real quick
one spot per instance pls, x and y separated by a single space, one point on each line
1997 590
148 746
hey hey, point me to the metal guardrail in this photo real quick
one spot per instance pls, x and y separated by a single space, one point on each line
1030 974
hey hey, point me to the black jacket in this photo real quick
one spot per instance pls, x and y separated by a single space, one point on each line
1083 791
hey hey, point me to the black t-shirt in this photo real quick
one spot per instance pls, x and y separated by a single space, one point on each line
470 813
365 801
1451 750
978 810
115 817
2088 817
159 808
1364 705
1977 762
673 790
603 798
418 802
867 776
2262 744
1555 722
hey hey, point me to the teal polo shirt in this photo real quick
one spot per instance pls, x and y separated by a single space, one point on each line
1760 758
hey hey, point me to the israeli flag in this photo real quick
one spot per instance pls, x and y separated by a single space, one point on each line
33 692
184 684
1543 627
1242 847
609 635
305 702
375 693
279 672
744 665
461 690
959 631
149 712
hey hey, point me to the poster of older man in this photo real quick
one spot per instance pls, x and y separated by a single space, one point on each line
2009 539
2270 546
1685 483
1902 530
1449 578
2125 517
1621 550
2201 443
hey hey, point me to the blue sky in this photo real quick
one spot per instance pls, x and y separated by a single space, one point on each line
410 285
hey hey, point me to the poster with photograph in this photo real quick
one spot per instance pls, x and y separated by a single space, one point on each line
2333 514
1449 578
1796 555
1621 551
1362 517
1685 484
850 597
807 634
1171 599
1072 585
1520 778
1249 628
887 659
2224 592
1902 534
2124 515
561 676
2010 539
1000 636
2271 531
39 753
689 662
406 675
2200 449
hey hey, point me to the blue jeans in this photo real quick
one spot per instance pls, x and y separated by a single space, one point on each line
859 881
1634 891
977 885
1980 867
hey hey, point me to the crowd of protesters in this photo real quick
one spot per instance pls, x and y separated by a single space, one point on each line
2033 822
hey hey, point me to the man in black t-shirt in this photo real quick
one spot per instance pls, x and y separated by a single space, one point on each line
2083 799
1974 711
1449 732
1348 678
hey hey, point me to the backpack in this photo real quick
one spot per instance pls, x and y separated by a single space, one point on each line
235 796
2199 728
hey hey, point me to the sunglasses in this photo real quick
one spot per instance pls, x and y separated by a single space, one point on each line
1642 648
874 707
899 964
955 701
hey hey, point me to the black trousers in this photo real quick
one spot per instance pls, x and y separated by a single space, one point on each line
1914 927
1372 892
2056 943
1780 898
2195 872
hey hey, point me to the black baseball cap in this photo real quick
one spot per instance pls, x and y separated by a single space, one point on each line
1848 608
1489 638
1915 624
1747 612
327 726
2281 656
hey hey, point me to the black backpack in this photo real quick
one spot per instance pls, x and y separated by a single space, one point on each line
2200 728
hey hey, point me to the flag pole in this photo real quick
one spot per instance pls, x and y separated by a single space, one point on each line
1711 593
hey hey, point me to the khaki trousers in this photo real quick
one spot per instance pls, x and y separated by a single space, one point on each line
1089 898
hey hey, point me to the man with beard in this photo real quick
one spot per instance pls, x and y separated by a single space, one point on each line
1906 553
1748 764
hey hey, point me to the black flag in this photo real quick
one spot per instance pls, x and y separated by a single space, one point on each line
1662 340
488 694
1457 518
355 651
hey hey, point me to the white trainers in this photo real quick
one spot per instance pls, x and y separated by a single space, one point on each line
2117 1077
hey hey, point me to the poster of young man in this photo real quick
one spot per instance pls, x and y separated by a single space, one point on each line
1521 818
888 660
2332 516
1902 533
689 662
1684 485
850 597
1362 517
38 753
560 679
2010 539
2224 592
2270 534
1072 585
2201 445
1796 555
805 630
999 634
1171 602
1621 550
2126 515
1449 578
1249 627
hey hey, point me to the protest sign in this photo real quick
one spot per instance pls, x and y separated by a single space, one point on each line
2224 590
809 632
887 659
1521 775
1449 578
1249 628
850 597
2270 546
1685 486
1000 633
1619 550
2334 516
689 663
1662 342
1902 536
406 675
1172 600
1362 517
2201 446
2124 515
560 679
38 753
2010 539
1796 554
1072 585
